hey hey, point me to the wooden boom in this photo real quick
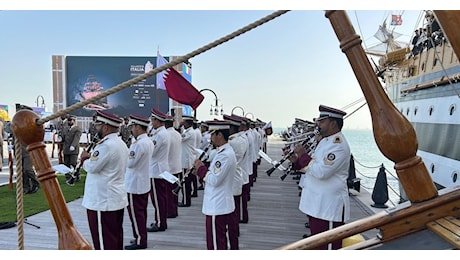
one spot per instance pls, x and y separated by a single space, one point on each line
28 132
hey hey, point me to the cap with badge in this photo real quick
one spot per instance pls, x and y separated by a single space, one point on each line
107 118
138 120
159 115
233 119
187 118
329 112
215 125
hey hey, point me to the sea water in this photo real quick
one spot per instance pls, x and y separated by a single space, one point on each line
368 162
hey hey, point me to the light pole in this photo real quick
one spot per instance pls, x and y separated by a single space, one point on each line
215 109
249 113
239 108
43 101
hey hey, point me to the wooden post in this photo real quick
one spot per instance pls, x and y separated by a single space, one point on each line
393 133
28 132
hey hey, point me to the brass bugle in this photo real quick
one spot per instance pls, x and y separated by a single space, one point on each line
307 141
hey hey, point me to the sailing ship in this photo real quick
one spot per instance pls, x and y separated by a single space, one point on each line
91 88
422 81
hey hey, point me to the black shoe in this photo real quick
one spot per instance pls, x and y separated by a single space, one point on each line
182 205
305 235
71 181
194 195
172 216
244 221
155 229
307 225
201 187
134 247
33 189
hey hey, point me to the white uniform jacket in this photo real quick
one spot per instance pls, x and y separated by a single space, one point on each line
159 161
239 145
325 192
175 151
246 164
218 196
188 148
137 180
105 181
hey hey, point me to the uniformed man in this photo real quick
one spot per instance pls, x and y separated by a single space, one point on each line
218 202
175 166
61 130
325 178
188 157
158 165
105 194
71 144
240 147
137 180
198 136
124 132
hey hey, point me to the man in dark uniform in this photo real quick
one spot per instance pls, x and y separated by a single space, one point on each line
218 203
137 180
105 194
71 145
124 132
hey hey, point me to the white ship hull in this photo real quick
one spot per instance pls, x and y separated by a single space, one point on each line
426 91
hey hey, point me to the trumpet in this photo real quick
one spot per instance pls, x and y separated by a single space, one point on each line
182 181
309 143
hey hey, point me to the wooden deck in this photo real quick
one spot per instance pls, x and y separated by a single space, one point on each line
274 219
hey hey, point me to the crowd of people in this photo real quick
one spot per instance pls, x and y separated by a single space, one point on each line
427 37
220 157
217 156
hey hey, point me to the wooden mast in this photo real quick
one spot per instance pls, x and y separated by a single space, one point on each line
27 131
393 133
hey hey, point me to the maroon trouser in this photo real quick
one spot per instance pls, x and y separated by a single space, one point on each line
244 202
158 196
137 211
173 199
111 226
234 232
216 231
320 225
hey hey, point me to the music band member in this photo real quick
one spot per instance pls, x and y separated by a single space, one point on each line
137 180
325 176
218 202
105 194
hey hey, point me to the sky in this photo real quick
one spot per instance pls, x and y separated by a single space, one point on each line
277 72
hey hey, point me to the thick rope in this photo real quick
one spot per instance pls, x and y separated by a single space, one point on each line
19 194
163 67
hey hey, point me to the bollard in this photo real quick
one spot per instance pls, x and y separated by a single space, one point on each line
380 191
352 181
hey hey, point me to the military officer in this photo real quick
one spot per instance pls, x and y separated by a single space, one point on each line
325 178
105 194
137 180
159 164
218 202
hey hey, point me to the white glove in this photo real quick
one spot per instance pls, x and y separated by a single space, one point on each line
72 148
